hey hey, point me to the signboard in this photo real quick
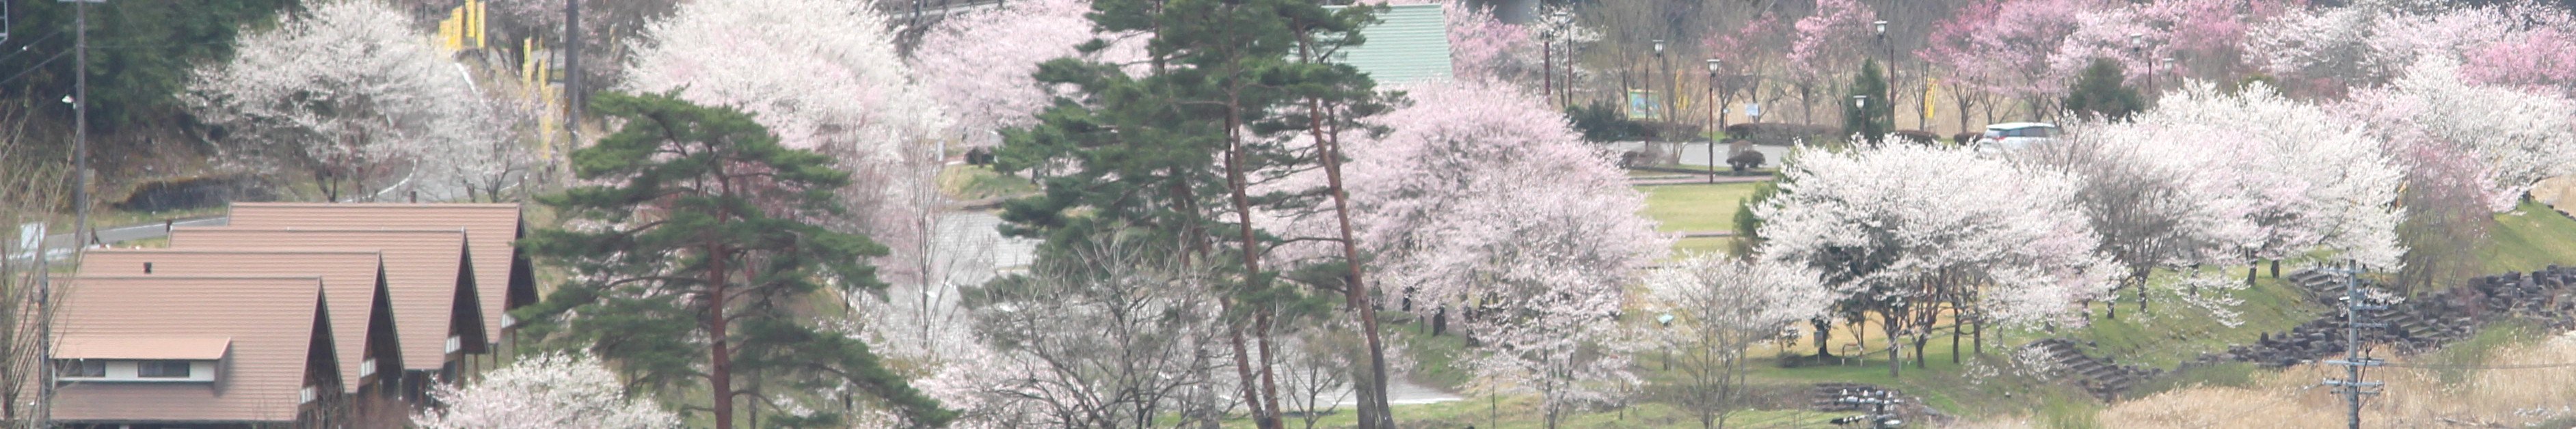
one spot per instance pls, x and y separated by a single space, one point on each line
30 235
1643 104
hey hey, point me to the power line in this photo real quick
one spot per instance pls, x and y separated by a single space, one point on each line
30 44
32 69
2258 407
2433 366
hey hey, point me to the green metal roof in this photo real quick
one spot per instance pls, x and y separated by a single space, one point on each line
1410 43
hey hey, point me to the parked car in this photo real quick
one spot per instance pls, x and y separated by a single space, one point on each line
2015 136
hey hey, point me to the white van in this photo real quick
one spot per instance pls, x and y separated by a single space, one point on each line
2015 136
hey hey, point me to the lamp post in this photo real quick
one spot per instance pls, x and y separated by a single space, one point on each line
2151 82
1546 61
2137 45
1860 105
1667 320
1714 115
1559 26
1667 70
1880 27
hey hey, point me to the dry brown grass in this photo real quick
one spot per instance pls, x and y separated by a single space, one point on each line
2416 397
2555 191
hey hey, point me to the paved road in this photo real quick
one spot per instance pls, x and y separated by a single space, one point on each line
59 245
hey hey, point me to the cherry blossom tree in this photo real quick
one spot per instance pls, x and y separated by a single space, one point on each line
1829 44
1905 229
552 390
2161 193
978 65
1475 192
343 93
483 144
2514 137
1745 54
2370 43
2543 57
1475 179
1721 307
2323 183
2104 34
823 75
1554 334
2003 48
1484 47
2468 150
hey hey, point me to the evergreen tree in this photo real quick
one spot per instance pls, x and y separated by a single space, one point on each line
696 256
1189 151
2098 93
1874 118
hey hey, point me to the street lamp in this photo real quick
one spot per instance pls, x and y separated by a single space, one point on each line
1880 26
1667 320
2137 44
1559 26
1668 70
1860 104
2151 76
1713 117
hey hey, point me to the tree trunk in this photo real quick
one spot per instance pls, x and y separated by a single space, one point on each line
1250 245
1373 407
1269 387
1824 335
1894 362
719 363
1980 337
1243 372
1957 320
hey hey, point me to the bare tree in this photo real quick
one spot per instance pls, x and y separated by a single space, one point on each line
1114 337
30 190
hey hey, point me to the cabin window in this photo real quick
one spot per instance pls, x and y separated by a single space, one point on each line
162 369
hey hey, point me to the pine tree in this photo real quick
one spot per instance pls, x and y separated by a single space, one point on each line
2098 93
1873 118
1231 98
696 255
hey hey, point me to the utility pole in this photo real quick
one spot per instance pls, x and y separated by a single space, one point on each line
80 208
2351 386
572 71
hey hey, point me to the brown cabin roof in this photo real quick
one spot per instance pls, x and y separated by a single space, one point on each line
269 323
348 276
490 227
422 268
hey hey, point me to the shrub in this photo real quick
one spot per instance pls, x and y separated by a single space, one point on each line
1779 134
1918 137
1603 121
1745 160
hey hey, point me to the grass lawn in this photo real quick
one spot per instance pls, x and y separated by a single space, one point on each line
975 182
1695 207
2531 237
